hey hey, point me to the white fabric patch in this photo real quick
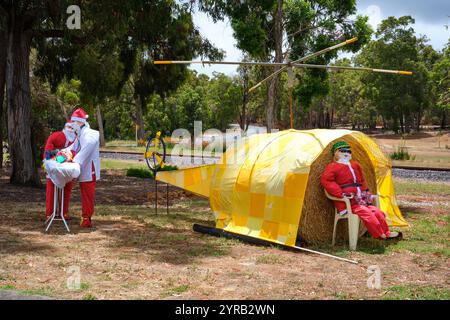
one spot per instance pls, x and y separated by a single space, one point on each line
62 173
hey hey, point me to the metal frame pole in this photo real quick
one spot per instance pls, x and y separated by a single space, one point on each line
167 198
156 192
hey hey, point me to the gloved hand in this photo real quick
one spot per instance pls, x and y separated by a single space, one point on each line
367 197
347 195
51 153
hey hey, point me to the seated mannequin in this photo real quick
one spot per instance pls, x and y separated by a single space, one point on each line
344 178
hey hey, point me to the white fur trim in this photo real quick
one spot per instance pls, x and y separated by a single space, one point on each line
78 119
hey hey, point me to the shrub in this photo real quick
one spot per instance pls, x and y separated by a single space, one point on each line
402 154
146 173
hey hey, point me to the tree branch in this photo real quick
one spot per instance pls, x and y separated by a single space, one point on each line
53 33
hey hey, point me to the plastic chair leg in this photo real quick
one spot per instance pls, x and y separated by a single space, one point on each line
353 230
336 219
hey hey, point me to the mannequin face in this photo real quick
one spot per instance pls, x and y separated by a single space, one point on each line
343 155
77 125
69 132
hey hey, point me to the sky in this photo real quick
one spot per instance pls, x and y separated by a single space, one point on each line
431 18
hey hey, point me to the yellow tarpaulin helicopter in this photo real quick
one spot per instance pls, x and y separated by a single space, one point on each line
257 198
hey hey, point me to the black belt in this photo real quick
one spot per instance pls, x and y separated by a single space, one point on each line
351 185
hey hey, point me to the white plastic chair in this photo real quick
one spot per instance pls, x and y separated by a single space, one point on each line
352 219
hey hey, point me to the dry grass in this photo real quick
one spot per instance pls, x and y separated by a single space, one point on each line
430 148
137 254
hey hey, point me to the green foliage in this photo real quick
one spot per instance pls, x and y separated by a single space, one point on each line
99 73
140 173
309 25
147 174
440 77
402 152
400 100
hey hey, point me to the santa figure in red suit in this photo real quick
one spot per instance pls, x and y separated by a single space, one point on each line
56 141
344 178
87 152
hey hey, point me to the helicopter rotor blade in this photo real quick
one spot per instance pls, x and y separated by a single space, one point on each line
309 56
319 66
243 63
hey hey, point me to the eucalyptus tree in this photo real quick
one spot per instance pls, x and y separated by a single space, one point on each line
277 30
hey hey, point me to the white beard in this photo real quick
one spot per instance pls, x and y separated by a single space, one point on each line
344 158
70 136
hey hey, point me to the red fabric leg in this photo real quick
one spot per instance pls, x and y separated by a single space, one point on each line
67 194
87 197
49 197
381 219
369 219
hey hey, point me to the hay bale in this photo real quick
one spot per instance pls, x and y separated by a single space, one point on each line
316 222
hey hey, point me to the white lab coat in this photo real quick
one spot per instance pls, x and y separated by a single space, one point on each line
87 148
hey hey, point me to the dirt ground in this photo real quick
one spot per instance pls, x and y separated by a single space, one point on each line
134 253
429 148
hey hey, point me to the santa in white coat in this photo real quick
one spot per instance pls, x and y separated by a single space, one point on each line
87 148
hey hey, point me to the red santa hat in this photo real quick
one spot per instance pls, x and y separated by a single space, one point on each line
79 115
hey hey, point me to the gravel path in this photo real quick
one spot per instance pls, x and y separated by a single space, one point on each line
429 175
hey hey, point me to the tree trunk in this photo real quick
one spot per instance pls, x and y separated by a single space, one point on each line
402 124
444 119
24 170
243 123
140 106
419 117
100 125
2 89
274 82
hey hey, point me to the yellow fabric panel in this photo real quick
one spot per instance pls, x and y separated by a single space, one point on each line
196 180
294 182
257 204
388 201
269 230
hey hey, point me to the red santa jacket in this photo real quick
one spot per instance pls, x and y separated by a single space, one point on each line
339 178
57 140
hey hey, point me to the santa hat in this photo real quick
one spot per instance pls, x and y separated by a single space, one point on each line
79 115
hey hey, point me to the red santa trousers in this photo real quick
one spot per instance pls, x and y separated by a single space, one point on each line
49 197
373 218
87 196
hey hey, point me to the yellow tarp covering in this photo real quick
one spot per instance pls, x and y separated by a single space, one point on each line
259 185
196 180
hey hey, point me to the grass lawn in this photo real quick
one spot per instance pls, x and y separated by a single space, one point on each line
121 164
135 253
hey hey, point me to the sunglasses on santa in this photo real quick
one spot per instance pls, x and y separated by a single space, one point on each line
345 150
